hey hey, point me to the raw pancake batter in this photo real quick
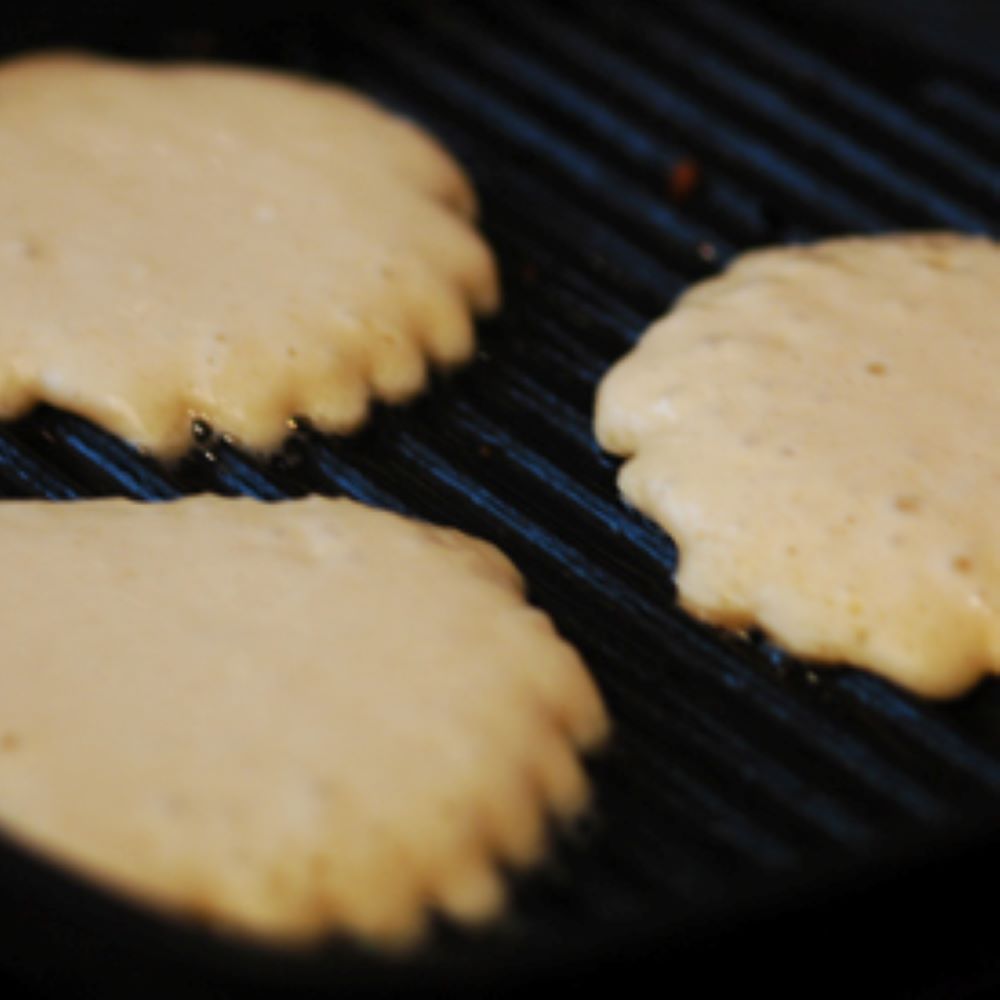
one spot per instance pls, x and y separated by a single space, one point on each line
234 245
819 430
282 719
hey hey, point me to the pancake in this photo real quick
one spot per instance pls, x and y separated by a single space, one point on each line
198 242
817 429
282 721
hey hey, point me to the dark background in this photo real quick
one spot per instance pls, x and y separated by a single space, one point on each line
964 31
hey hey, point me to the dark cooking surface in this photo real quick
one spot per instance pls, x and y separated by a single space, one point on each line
738 783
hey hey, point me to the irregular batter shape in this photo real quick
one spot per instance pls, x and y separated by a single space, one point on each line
282 719
818 429
182 242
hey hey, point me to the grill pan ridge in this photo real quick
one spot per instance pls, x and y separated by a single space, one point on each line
745 799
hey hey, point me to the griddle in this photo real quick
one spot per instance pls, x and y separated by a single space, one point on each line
757 821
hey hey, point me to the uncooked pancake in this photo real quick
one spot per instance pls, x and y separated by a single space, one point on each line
819 430
235 245
282 719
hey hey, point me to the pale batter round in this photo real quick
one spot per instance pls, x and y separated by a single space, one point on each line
191 241
819 430
282 719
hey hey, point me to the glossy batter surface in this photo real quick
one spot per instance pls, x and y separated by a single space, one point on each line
282 719
819 430
181 242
